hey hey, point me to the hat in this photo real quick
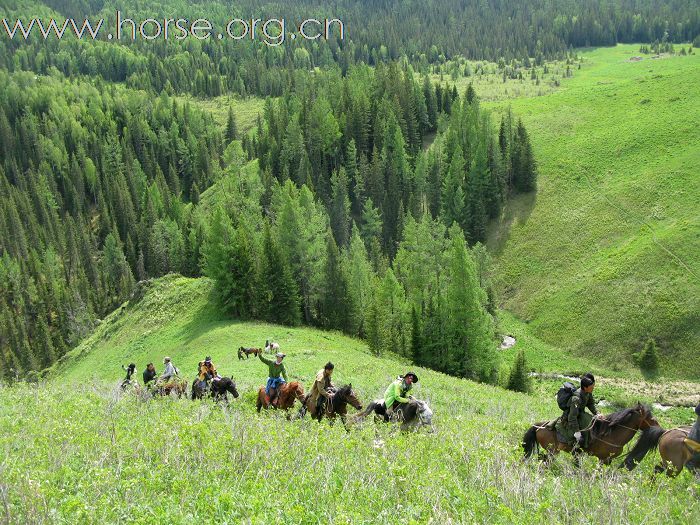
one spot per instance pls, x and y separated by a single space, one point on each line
166 359
280 354
415 377
207 359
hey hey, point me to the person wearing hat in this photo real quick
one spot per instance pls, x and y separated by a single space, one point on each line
574 423
207 372
276 376
169 372
397 393
693 442
322 391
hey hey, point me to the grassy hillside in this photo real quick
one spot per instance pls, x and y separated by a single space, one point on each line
83 453
608 253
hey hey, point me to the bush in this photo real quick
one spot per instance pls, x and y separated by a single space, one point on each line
649 358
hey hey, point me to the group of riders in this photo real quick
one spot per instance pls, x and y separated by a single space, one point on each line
573 426
322 391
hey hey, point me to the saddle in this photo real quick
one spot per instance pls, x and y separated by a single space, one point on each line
694 446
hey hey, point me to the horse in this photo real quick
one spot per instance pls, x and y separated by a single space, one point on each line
175 386
288 393
412 415
338 406
609 434
247 352
271 347
219 389
675 449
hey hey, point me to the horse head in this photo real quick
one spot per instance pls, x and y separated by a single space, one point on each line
352 398
647 419
424 413
230 387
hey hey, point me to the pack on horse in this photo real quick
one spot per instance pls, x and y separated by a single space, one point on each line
609 434
677 450
247 352
176 386
218 389
337 407
287 395
412 415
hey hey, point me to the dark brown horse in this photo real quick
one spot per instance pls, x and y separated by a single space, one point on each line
675 448
287 395
247 352
219 389
609 434
337 407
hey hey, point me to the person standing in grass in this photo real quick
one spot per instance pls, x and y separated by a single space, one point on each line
276 376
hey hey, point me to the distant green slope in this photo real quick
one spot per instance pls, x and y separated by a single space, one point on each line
608 253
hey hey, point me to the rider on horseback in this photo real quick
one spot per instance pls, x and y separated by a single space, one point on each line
397 392
130 370
169 373
277 375
693 441
207 373
322 391
574 422
149 375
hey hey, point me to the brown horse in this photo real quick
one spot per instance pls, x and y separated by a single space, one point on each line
609 434
247 352
288 393
675 448
337 407
175 386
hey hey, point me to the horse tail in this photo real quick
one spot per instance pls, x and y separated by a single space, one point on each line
649 440
530 441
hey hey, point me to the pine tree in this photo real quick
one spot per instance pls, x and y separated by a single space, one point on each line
340 208
518 380
280 292
231 126
416 337
649 358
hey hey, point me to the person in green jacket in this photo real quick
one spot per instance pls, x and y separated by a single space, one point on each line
574 422
397 393
277 375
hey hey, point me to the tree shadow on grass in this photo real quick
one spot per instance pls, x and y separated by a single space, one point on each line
516 211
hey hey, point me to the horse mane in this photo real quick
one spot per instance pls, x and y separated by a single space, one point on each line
603 427
290 389
341 396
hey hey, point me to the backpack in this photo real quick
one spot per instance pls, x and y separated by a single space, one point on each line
565 394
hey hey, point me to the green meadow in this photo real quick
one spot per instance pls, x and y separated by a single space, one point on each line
606 254
78 450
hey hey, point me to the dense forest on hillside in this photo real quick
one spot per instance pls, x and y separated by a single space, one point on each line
101 189
426 33
336 212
